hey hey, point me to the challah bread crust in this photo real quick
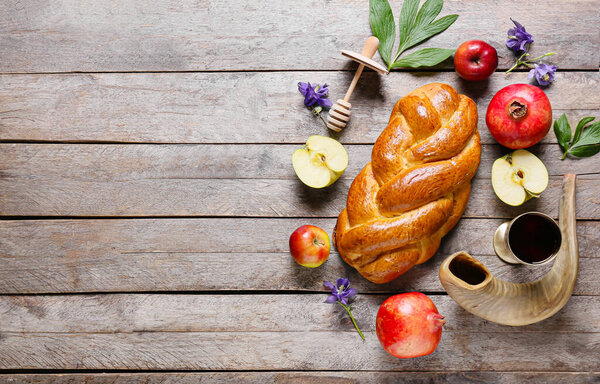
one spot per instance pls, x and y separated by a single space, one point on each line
416 187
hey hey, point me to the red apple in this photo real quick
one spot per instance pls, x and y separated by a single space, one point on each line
409 325
519 116
475 60
309 246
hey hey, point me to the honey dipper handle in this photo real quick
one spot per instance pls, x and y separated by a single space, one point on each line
368 51
370 47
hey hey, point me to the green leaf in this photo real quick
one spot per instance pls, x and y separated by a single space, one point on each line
428 12
589 136
425 57
407 19
383 26
562 130
585 150
419 35
580 126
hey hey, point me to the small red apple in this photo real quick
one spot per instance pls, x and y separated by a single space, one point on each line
309 246
409 325
475 60
519 116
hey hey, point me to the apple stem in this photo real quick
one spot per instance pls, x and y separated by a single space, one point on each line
347 308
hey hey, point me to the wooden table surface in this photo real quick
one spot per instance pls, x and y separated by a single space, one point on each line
147 194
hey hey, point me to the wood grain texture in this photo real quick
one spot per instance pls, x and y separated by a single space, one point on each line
212 272
126 313
241 197
206 107
198 255
462 350
141 35
119 162
316 377
171 180
224 82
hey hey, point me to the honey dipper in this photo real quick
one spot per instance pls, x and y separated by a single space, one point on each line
339 114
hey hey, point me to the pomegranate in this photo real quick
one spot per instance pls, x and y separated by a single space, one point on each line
409 325
519 116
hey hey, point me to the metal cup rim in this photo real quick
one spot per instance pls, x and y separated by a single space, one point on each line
536 213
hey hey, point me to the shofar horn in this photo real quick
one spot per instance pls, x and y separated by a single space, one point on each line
473 287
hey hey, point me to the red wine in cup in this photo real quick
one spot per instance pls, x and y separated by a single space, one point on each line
534 238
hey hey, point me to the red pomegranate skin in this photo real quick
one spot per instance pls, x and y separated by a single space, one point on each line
519 116
409 325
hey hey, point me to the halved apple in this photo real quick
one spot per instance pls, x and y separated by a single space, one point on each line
320 162
519 176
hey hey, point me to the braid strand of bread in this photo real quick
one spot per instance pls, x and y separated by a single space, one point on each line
416 186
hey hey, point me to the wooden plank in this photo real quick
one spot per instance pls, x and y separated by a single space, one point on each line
241 197
124 313
306 377
142 35
118 162
263 107
199 254
36 238
254 271
329 350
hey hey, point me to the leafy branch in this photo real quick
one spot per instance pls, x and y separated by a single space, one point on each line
415 26
584 143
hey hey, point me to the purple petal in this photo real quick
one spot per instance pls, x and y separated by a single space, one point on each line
531 74
331 299
310 99
313 96
303 88
516 23
512 43
351 292
323 90
343 300
328 284
325 103
523 46
342 281
544 74
518 38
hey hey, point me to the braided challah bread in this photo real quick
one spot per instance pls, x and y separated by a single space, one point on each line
416 186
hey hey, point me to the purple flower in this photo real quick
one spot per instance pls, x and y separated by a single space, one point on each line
518 38
544 74
314 94
340 292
